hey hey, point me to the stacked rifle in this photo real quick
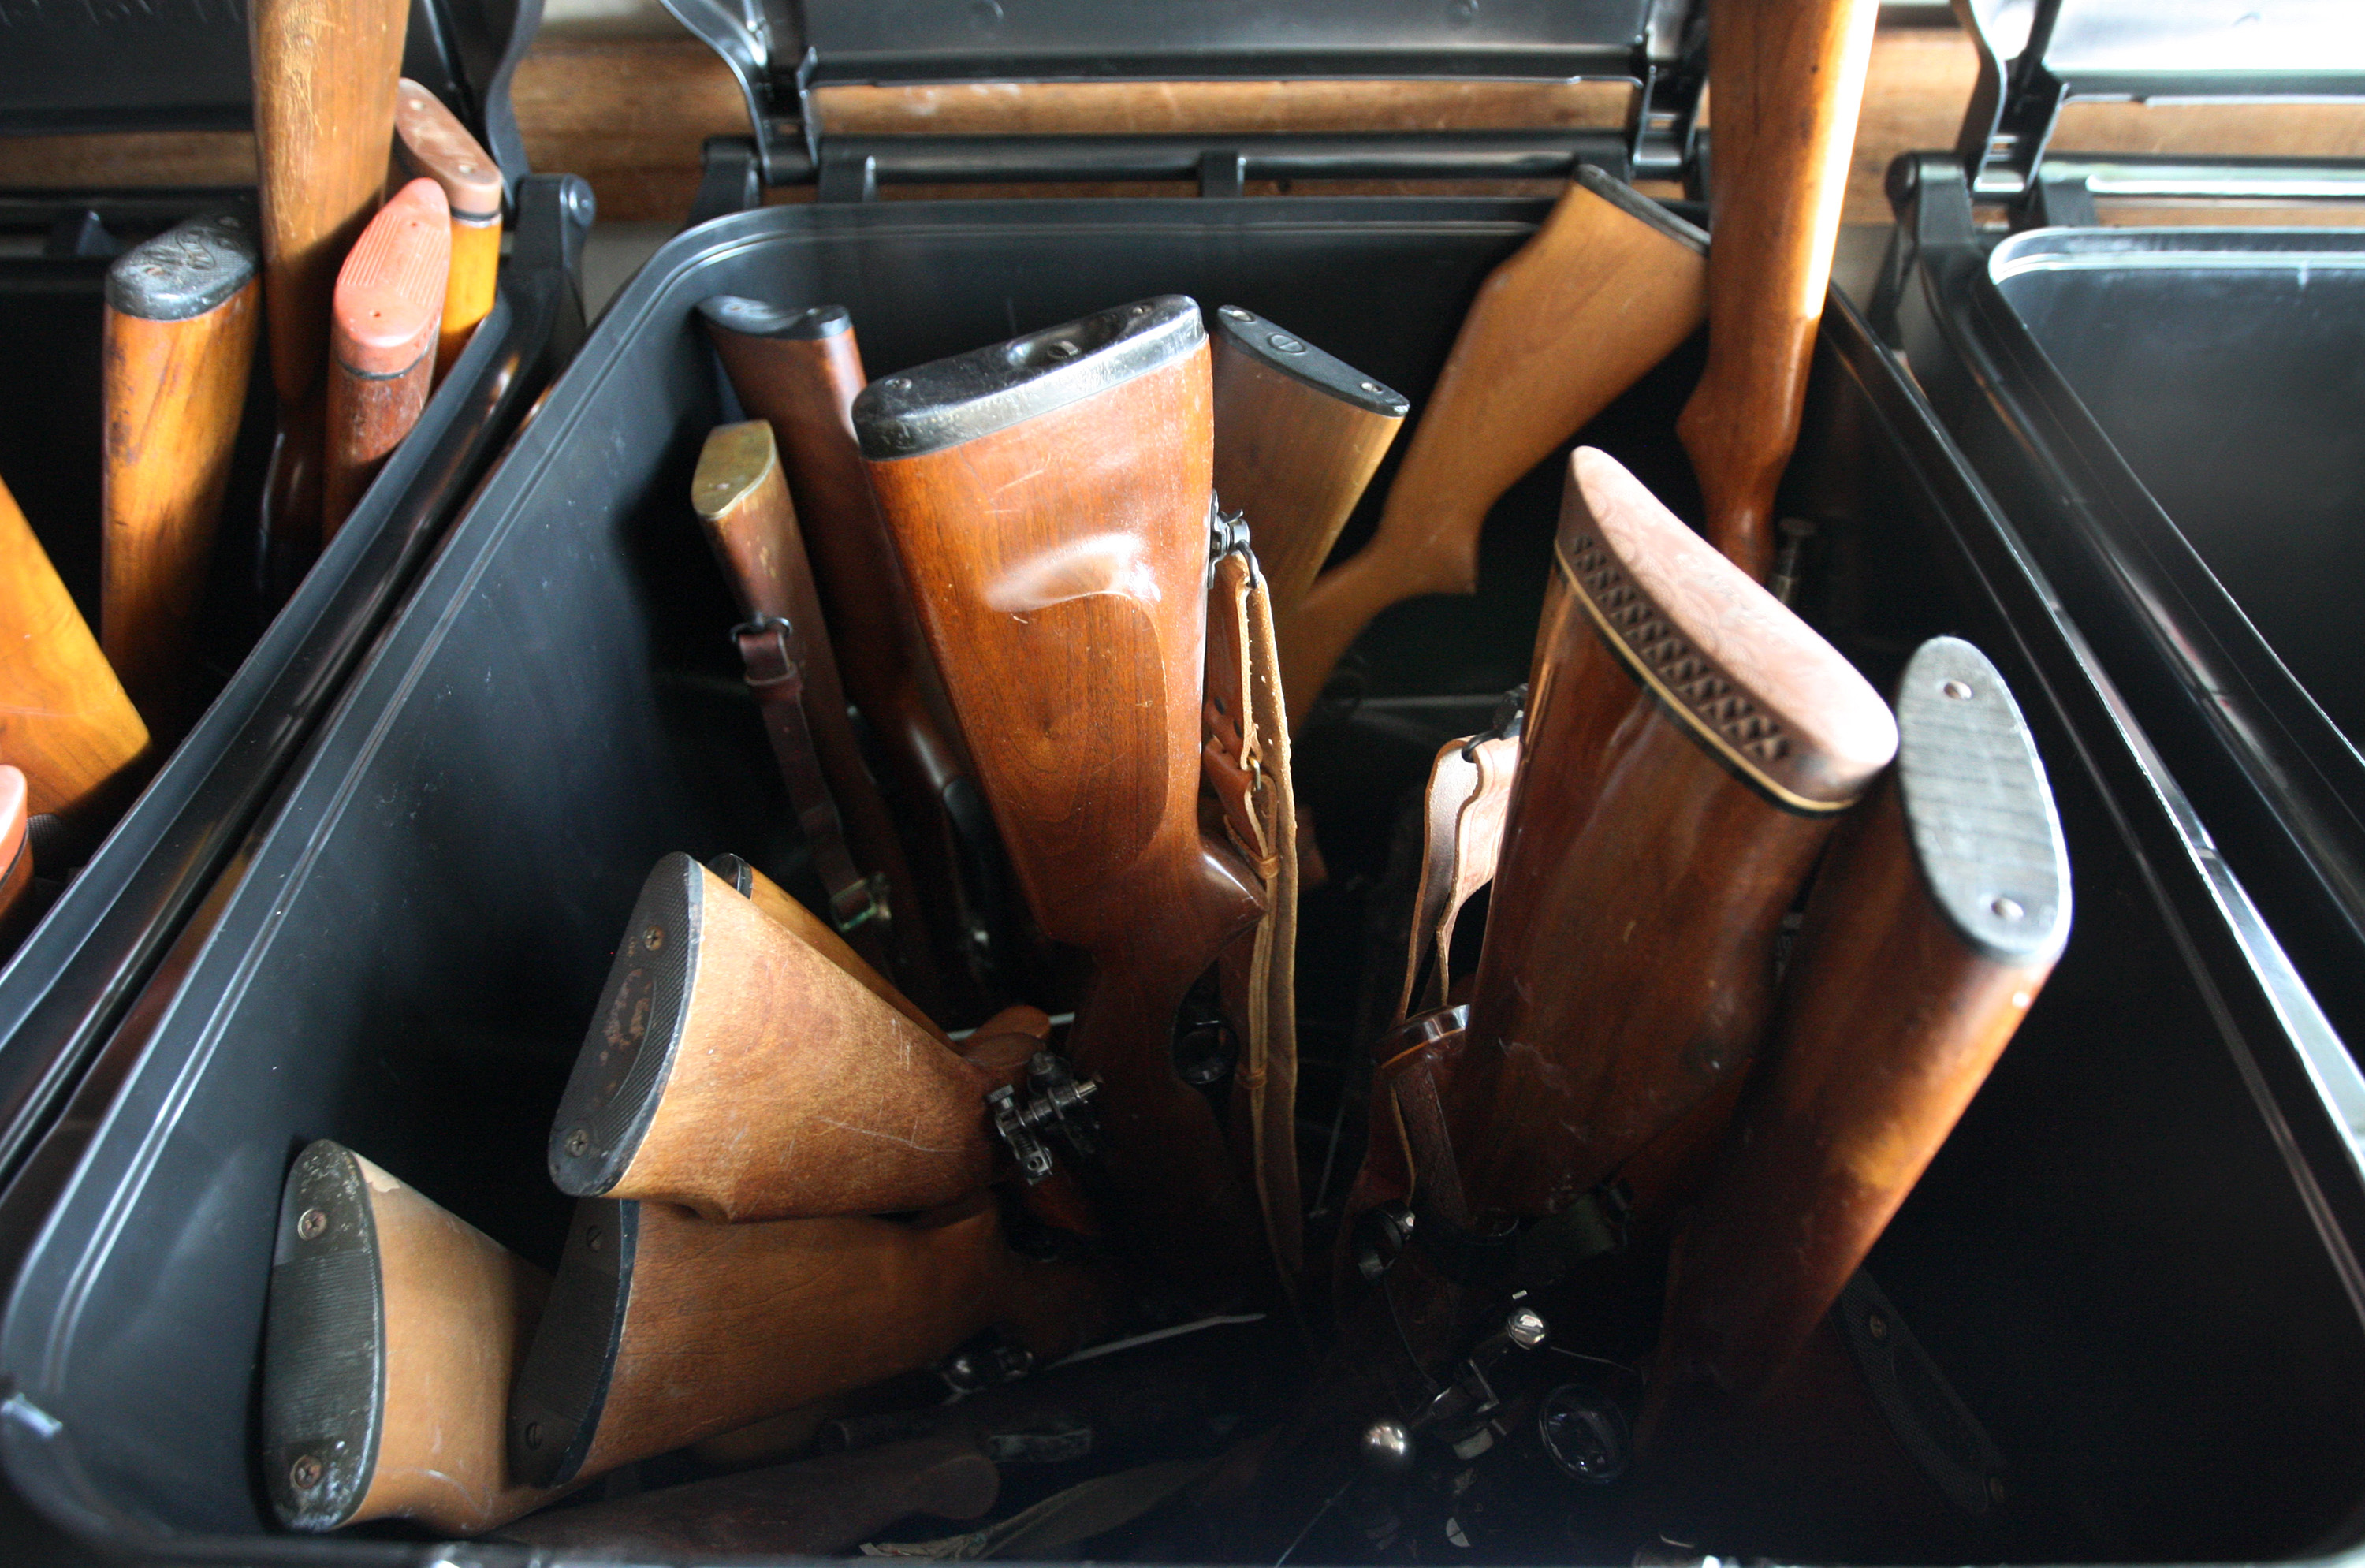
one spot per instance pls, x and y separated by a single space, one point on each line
368 303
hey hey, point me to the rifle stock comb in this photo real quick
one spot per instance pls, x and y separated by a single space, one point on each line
388 302
1690 745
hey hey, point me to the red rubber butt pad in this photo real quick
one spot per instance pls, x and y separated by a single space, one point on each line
389 298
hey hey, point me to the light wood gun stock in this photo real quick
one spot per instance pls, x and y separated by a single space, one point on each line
1605 289
390 301
394 1330
181 314
1050 499
1785 83
814 932
1932 926
431 143
1690 745
664 1328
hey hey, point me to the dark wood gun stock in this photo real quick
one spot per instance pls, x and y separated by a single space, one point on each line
822 1506
181 314
1297 435
742 497
1050 501
1689 744
664 1328
1605 289
16 860
431 143
1930 929
63 715
394 1331
324 88
716 1016
1785 83
389 302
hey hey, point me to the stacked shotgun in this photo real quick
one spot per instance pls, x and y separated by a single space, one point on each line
1071 587
367 305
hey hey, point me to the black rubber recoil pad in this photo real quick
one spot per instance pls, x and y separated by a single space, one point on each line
324 1344
554 1412
186 271
754 319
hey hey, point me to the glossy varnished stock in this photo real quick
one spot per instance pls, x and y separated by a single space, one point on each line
1933 923
382 332
16 858
395 1329
181 314
1785 83
63 715
1689 744
1297 435
742 497
431 143
1603 291
664 1328
1049 501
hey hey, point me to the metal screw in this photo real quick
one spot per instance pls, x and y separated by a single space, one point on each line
306 1473
2003 908
1525 1328
1387 1447
1233 313
1960 690
578 1140
533 1434
311 1225
1877 1326
897 383
1374 387
1281 342
1461 13
653 938
593 1238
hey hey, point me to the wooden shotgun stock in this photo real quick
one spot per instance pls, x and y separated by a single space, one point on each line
715 1018
1690 745
1050 499
63 716
742 498
16 860
1605 289
394 1331
382 332
814 932
1297 435
1934 923
664 1328
1785 83
429 142
324 88
181 314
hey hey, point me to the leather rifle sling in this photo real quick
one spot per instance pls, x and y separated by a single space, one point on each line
772 654
1245 761
1469 792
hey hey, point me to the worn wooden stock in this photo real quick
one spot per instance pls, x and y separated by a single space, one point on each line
800 372
63 716
816 933
1605 289
394 1331
383 324
1689 744
1055 534
324 89
1785 82
181 314
1933 923
742 497
716 1016
431 143
1297 435
16 858
664 1328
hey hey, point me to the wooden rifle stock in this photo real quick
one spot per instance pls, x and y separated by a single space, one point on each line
324 89
390 300
664 1328
1689 744
1297 435
1933 923
814 932
16 858
1605 289
181 314
1050 499
63 716
715 1017
394 1331
431 143
1785 83
742 497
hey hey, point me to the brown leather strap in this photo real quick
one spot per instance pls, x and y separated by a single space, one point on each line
772 654
1461 837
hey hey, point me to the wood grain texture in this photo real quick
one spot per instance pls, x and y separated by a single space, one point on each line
460 1310
1060 570
63 715
174 392
1222 108
1788 82
382 334
742 497
16 858
726 1324
1598 296
1688 742
816 933
430 141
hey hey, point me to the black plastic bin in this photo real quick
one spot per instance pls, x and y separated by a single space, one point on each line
2135 1260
